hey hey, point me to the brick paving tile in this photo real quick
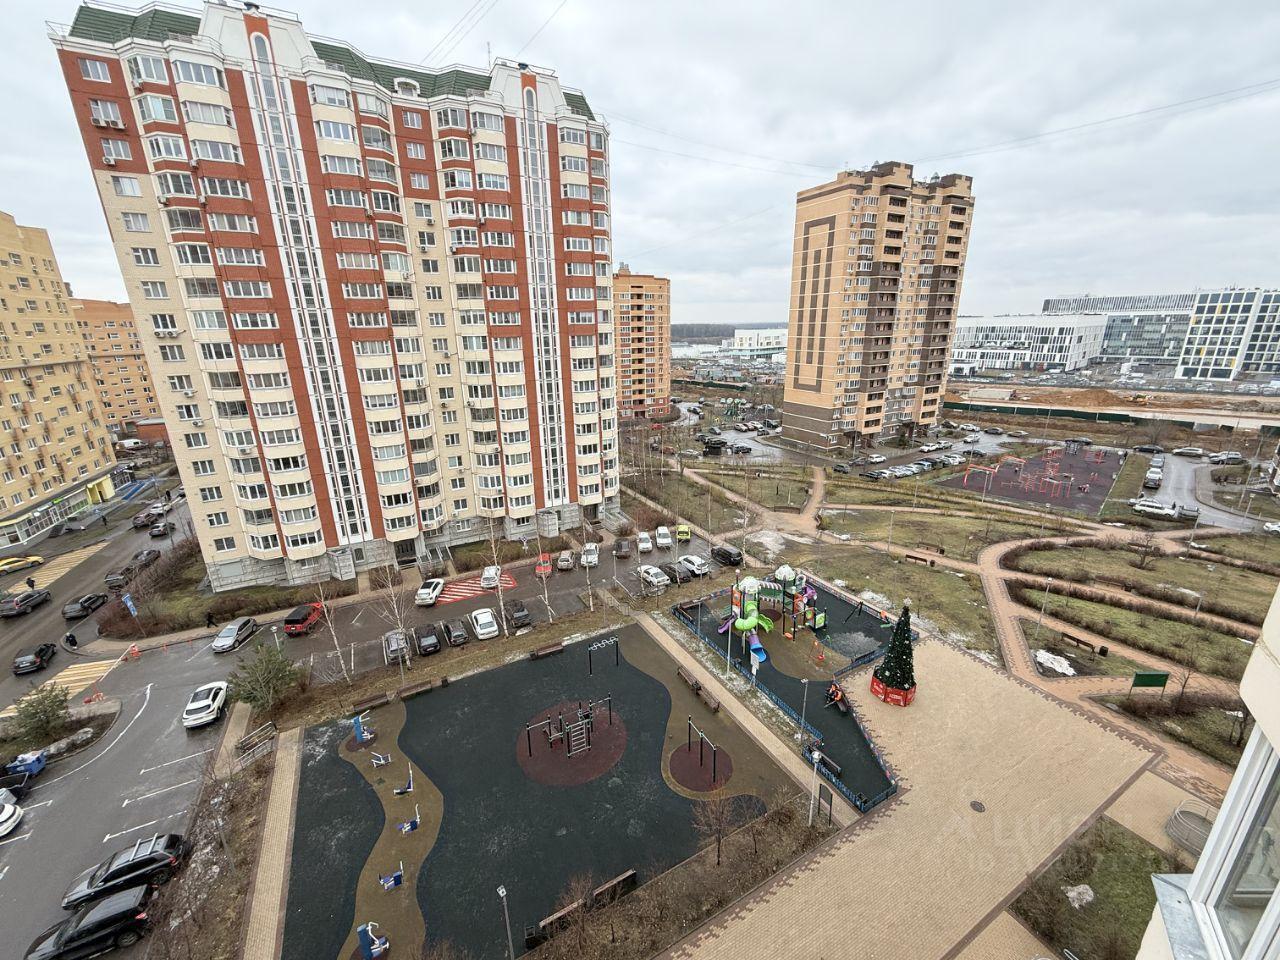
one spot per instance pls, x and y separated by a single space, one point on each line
267 896
1005 938
1145 807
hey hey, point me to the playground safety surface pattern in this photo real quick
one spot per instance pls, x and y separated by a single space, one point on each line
486 817
1012 481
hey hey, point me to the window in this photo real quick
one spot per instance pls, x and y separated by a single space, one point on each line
215 150
420 181
493 181
333 96
1247 881
376 138
233 222
105 111
166 148
374 105
224 187
136 222
333 130
452 148
456 179
411 118
573 164
144 68
486 121
202 73
223 544
345 198
214 113
177 184
568 135
451 117
126 186
491 151
575 191
184 218
146 257
154 290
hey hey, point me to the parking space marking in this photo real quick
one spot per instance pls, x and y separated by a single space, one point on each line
146 699
156 793
143 826
76 678
169 763
470 587
32 806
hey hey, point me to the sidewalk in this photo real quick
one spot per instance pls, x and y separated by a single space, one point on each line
267 897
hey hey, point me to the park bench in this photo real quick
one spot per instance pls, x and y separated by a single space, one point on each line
926 561
620 885
935 547
688 678
413 689
830 765
547 927
712 703
377 700
550 650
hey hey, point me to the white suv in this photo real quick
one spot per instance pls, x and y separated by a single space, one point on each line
662 538
695 565
590 555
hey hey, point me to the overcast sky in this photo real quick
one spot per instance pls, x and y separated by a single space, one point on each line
720 112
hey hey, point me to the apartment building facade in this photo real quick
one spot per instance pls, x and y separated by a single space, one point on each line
376 298
1028 342
644 344
125 390
57 456
877 267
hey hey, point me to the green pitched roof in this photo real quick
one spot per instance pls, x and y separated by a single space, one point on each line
111 26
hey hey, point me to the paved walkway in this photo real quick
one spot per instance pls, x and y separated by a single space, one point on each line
265 929
236 727
1145 807
925 876
1005 938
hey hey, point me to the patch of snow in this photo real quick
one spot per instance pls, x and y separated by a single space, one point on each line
1234 713
984 655
840 583
770 542
1079 896
1244 641
1055 663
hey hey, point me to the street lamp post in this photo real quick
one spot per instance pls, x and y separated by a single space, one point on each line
804 702
813 788
1043 604
506 916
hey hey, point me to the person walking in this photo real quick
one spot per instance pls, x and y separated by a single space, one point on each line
31 583
70 640
209 621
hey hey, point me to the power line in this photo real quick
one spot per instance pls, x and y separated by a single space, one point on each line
474 23
541 28
439 43
723 163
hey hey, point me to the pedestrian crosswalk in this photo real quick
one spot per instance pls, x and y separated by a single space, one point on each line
77 678
53 568
470 587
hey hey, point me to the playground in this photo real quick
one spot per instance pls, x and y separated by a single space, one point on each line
1071 476
797 639
585 763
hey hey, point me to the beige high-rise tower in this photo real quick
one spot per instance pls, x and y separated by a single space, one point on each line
644 344
119 369
875 279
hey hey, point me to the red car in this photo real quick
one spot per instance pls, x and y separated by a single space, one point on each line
543 569
301 619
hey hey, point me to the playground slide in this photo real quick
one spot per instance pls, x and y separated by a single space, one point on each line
750 621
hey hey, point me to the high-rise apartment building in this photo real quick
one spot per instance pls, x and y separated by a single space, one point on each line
875 279
644 344
120 373
376 298
56 450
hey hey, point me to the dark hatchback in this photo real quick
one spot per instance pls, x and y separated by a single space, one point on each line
151 860
517 615
17 604
118 920
455 632
29 661
678 572
428 639
83 606
726 555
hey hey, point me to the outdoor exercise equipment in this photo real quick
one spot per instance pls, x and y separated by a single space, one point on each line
703 742
407 788
601 645
575 732
392 880
380 759
411 825
363 734
371 944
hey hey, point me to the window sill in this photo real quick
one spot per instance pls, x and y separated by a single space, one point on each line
1174 903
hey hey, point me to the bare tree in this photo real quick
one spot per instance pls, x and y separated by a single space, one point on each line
326 619
1147 548
576 897
393 605
493 551
712 818
1241 720
1182 676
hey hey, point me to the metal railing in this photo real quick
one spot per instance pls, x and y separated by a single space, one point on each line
1189 825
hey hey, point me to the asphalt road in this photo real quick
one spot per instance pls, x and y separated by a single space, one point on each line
1179 486
138 780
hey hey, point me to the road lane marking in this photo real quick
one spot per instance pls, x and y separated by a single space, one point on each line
156 793
142 826
200 651
146 698
3 871
167 763
32 806
15 839
356 618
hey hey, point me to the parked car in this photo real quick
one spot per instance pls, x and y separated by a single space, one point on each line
695 565
622 548
484 625
542 569
651 576
303 618
455 633
1187 511
161 528
490 577
644 542
677 572
10 817
119 579
684 533
14 564
37 658
234 633
16 604
690 453
1088 442
397 645
429 592
429 639
968 427
1149 448
1190 452
876 458
993 430
972 437
842 468
204 706
726 555
1272 527
1158 461
1152 508
1227 458
144 519
118 920
83 606
662 538
739 448
1153 479
565 560
151 860
1018 433
590 555
517 615
144 558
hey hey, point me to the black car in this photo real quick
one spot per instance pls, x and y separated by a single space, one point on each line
678 572
119 579
151 860
29 661
17 604
144 558
83 606
517 615
726 555
455 632
428 639
118 920
1144 447
740 448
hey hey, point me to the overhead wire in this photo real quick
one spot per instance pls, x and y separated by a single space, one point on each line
444 39
541 28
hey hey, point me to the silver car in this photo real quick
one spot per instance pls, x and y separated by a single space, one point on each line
234 633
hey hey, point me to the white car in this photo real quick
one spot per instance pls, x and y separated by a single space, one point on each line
662 538
972 437
1272 527
653 577
10 817
205 705
490 577
484 624
429 592
644 542
695 565
590 555
1152 508
876 458
929 448
1190 452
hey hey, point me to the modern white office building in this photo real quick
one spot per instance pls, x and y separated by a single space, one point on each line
764 344
1026 342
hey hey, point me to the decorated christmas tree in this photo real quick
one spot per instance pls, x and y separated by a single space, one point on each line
894 678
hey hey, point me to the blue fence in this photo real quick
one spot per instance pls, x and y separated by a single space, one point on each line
858 800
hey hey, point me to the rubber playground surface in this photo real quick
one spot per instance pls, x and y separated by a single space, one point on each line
1075 478
791 661
497 804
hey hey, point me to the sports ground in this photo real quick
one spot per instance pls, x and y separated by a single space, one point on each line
1070 477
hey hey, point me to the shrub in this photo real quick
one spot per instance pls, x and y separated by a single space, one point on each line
43 714
266 680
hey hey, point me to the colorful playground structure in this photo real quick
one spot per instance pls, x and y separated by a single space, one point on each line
785 592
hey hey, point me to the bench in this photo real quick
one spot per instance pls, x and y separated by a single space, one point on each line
548 926
926 561
413 689
1079 643
378 700
712 703
619 886
936 548
688 678
830 765
550 650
